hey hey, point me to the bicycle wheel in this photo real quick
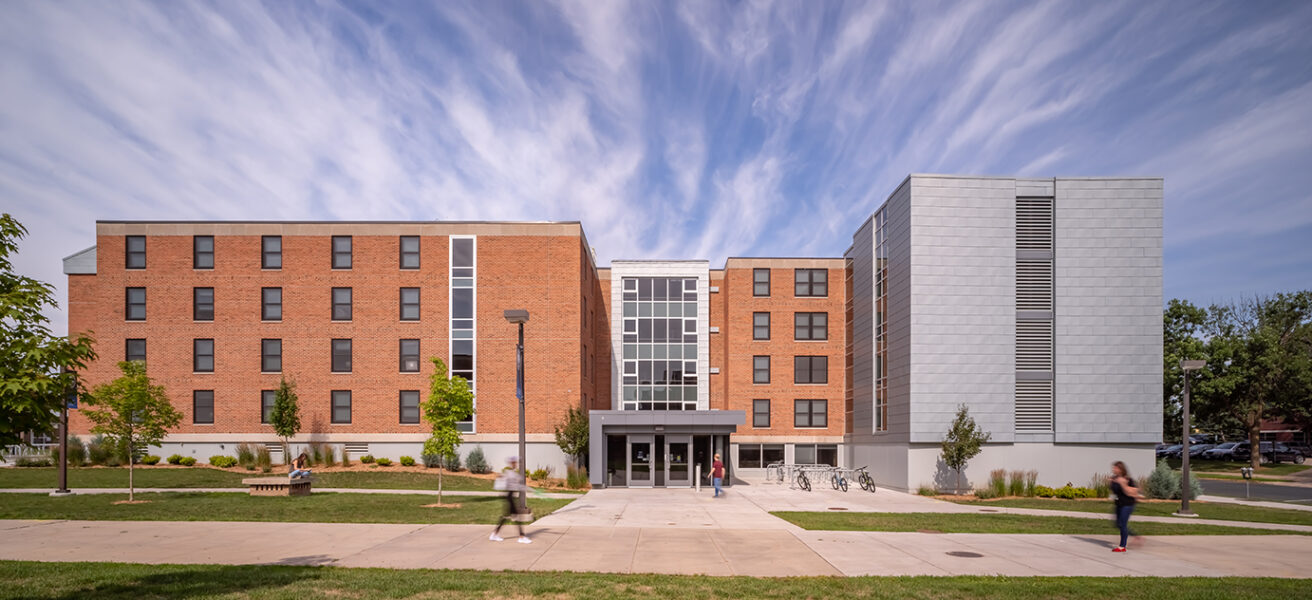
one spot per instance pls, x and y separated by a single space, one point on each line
842 483
871 482
803 482
833 481
864 481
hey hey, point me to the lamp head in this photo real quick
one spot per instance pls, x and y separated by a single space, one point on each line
517 315
1191 365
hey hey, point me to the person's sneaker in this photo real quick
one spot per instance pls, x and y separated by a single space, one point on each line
1118 549
523 539
496 538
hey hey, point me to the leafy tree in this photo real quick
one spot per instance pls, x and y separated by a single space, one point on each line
449 401
964 441
135 412
572 434
36 368
286 415
1182 326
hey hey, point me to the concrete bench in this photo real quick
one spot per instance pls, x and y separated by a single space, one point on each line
278 486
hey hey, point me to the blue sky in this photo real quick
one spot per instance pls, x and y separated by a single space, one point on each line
670 129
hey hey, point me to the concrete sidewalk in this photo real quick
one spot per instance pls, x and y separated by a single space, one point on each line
243 490
711 551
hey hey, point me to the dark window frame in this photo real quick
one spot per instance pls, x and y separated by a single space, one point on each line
757 326
196 407
415 304
343 259
806 364
265 304
756 370
401 353
333 406
350 299
810 326
757 413
266 356
807 419
266 253
128 304
334 354
129 253
196 355
127 349
757 282
409 253
196 313
266 408
197 254
401 407
810 283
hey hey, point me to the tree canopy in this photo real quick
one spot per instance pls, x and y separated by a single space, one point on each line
132 411
963 441
449 402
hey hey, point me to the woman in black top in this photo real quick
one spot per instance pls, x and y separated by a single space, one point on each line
1126 493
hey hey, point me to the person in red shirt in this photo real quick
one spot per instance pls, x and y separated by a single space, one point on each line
717 474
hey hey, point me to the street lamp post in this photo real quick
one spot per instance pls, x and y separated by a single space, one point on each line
520 316
1186 366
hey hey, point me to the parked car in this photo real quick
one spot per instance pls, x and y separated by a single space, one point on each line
1199 449
1168 451
1271 452
1219 452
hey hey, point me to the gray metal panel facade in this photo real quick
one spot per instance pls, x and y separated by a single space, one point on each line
898 229
1108 310
963 306
862 255
81 263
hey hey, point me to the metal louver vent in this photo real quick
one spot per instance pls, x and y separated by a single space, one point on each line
1033 285
1034 223
1033 345
356 448
1033 406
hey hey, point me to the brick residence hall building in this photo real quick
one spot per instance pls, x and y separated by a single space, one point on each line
1035 302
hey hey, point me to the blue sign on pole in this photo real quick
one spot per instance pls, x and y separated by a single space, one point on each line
71 400
519 372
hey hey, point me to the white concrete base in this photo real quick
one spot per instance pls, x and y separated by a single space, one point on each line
907 467
540 454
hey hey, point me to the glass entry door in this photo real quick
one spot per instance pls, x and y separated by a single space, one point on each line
678 460
640 460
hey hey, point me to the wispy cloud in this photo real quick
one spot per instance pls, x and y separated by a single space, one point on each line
685 130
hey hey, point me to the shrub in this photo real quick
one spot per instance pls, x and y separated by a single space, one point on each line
451 462
150 459
927 490
1067 492
263 459
313 452
407 461
346 457
176 459
431 461
366 459
476 462
997 483
576 478
327 456
1031 478
384 462
1164 483
101 451
77 451
1016 483
986 493
34 461
113 460
246 455
222 462
540 474
1101 485
188 461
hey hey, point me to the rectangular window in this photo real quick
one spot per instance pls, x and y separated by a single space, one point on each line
409 356
202 356
756 456
815 454
341 407
266 405
409 407
810 413
811 326
760 413
761 326
271 356
202 252
202 407
271 252
409 252
135 309
135 350
409 304
202 304
341 251
811 282
761 282
135 255
271 304
341 356
811 369
341 304
760 369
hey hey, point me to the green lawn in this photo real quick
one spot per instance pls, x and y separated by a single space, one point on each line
997 523
214 506
194 477
1207 510
1229 466
50 581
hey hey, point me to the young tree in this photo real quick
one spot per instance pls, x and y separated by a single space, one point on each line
133 412
963 442
449 401
572 434
36 368
286 416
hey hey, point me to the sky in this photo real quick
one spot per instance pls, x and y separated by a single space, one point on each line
669 129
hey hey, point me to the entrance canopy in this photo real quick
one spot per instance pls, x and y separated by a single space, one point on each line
646 447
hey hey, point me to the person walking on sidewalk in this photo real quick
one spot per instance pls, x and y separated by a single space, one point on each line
511 482
1127 493
717 475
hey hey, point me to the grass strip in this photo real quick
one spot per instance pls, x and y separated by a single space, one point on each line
205 477
1208 510
221 506
998 523
109 581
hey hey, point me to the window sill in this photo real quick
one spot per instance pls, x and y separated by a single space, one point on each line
194 321
408 372
409 424
271 268
339 423
340 372
810 384
202 372
270 321
340 321
203 424
760 339
804 341
270 372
